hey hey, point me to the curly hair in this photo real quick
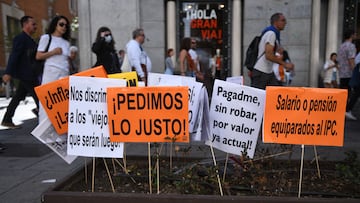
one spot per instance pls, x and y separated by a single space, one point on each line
52 27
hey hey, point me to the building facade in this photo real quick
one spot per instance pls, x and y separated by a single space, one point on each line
314 28
11 12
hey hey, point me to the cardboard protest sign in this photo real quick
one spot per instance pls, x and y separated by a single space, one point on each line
46 134
157 79
236 79
88 118
236 113
197 98
201 129
148 114
130 77
309 116
54 97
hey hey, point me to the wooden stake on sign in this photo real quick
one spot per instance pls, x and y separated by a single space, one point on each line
149 159
269 156
317 162
171 144
225 166
124 158
93 176
127 173
217 171
85 171
160 150
158 172
113 164
110 179
301 169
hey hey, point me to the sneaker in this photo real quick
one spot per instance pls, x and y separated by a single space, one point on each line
350 116
10 125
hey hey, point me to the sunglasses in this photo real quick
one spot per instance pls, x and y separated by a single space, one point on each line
62 24
108 35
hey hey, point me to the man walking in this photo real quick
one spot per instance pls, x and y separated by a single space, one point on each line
263 75
19 66
346 60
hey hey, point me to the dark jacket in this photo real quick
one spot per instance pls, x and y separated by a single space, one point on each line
355 77
22 58
106 56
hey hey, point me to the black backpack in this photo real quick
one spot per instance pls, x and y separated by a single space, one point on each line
38 65
252 53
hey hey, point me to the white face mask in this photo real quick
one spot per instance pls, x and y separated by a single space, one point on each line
108 38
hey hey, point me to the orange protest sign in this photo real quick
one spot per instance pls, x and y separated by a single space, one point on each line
309 116
148 114
54 97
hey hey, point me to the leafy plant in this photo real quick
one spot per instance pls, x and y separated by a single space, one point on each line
75 24
350 168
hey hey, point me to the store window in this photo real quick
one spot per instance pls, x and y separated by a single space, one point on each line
13 28
208 23
352 15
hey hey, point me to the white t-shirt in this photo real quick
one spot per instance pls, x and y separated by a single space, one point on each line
59 61
263 64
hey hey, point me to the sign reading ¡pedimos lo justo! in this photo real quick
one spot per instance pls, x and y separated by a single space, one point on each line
306 116
54 98
148 114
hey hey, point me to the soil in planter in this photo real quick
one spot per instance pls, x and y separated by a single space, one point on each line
268 177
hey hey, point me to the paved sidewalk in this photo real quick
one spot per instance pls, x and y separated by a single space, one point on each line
28 168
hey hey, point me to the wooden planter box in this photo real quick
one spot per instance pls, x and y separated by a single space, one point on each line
75 197
56 195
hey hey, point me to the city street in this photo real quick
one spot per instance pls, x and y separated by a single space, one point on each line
28 168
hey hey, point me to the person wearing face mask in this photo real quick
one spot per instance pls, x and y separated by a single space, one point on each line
104 48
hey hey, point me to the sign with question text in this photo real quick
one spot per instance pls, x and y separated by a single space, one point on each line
54 97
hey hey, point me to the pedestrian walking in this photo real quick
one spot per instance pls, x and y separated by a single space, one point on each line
21 65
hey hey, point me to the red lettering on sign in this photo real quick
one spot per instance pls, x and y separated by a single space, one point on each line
211 34
203 24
